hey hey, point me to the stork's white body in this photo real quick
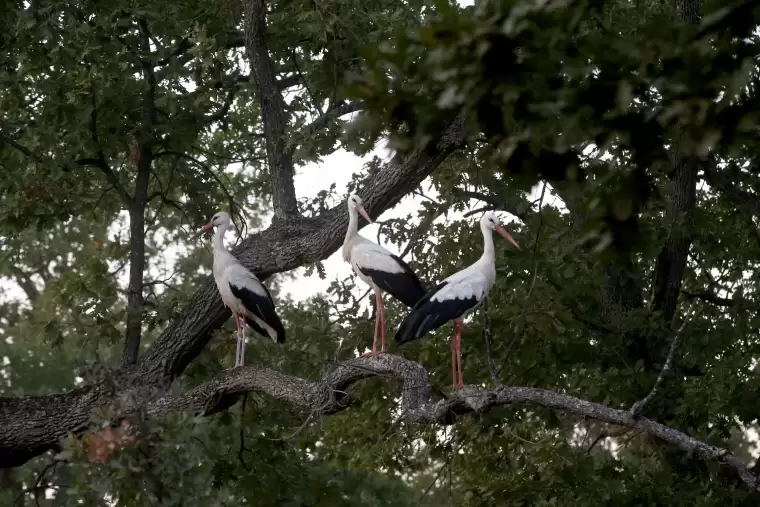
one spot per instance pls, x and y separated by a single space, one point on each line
378 268
456 297
362 253
227 272
242 292
475 281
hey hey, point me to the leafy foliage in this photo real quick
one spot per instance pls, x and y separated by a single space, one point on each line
580 116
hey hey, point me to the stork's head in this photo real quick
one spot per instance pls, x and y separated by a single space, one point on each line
491 222
220 218
356 205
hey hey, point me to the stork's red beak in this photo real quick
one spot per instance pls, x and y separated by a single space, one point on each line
363 213
205 228
501 230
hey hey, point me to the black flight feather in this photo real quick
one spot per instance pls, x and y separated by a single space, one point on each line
263 308
429 315
405 286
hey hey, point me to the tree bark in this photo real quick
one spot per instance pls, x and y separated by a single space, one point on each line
279 156
329 395
137 206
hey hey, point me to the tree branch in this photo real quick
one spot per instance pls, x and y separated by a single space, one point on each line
26 283
145 157
330 115
20 147
712 298
640 405
272 112
332 394
100 161
718 179
519 207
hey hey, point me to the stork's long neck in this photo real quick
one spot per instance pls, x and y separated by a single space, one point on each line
219 239
488 253
351 233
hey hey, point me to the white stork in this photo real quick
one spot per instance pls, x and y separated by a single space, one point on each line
379 269
456 297
243 293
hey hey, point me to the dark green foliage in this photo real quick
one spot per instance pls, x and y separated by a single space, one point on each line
595 98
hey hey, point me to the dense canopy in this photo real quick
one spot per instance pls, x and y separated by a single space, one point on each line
619 364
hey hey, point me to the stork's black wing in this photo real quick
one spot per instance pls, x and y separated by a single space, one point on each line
428 314
404 286
262 306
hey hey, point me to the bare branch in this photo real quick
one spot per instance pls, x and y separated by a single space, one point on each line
273 114
519 207
640 405
331 394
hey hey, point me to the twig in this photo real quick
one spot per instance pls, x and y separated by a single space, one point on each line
639 406
242 435
305 83
538 237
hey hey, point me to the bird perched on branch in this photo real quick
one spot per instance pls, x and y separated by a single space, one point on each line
456 297
378 268
243 293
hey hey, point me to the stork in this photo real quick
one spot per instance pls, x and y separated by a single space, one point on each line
455 298
243 293
378 268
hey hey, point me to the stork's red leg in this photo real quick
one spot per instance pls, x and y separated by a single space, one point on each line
382 318
454 357
460 325
237 345
243 326
377 324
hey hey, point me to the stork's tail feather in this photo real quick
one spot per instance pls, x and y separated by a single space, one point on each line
412 295
279 330
409 329
276 332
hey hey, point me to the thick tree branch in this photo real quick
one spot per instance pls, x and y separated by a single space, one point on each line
671 262
332 394
273 114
